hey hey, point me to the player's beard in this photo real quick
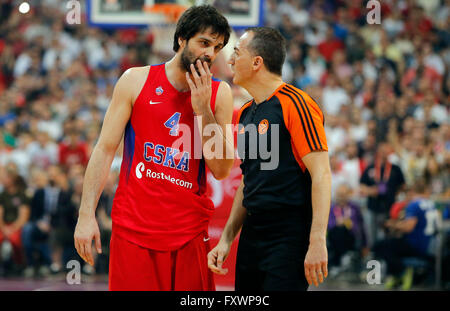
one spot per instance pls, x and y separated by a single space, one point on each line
188 58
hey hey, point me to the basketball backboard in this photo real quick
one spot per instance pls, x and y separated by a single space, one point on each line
139 13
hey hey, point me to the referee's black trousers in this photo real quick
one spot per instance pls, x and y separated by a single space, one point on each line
271 252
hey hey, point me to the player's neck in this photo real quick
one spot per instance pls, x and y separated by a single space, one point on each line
175 75
262 87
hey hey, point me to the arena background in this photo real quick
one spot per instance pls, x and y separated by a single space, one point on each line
377 75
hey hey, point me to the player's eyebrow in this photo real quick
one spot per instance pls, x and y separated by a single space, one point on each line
211 40
206 39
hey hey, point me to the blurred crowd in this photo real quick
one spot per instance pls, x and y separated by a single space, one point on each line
384 89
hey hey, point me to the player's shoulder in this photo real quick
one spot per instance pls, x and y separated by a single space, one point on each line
132 80
217 80
136 72
224 95
223 87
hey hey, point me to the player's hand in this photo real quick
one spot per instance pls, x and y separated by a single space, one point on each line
200 86
316 262
217 256
86 230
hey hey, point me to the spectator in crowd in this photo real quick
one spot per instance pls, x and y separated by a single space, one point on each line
315 65
431 111
336 134
330 45
334 96
380 183
20 156
437 176
409 236
358 129
338 176
36 233
43 150
412 152
63 221
421 73
73 151
302 80
383 115
14 213
352 167
340 66
345 228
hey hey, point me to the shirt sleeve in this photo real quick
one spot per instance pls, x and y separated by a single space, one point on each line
304 121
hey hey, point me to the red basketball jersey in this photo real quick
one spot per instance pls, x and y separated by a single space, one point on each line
161 201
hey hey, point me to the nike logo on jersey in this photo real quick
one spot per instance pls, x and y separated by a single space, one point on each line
206 239
154 103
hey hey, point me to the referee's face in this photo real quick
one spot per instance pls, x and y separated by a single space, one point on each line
241 60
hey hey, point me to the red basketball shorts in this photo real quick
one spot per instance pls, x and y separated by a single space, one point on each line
135 268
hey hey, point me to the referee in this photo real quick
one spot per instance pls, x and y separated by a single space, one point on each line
283 211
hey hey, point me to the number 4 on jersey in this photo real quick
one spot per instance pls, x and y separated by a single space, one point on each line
172 123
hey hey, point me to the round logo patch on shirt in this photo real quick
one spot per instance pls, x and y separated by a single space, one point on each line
159 90
263 126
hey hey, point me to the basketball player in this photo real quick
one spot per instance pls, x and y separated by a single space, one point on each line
160 211
283 212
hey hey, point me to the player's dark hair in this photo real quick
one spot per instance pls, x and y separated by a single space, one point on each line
198 19
268 43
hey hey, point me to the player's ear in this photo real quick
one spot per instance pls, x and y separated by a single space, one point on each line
181 42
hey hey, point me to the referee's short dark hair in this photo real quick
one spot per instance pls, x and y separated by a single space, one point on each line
198 19
268 43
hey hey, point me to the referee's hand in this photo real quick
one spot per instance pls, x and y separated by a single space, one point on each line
217 256
86 230
316 263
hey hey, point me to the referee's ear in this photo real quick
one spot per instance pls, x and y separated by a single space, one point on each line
258 62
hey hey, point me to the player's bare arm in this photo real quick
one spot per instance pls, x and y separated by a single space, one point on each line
316 260
200 86
116 118
218 255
